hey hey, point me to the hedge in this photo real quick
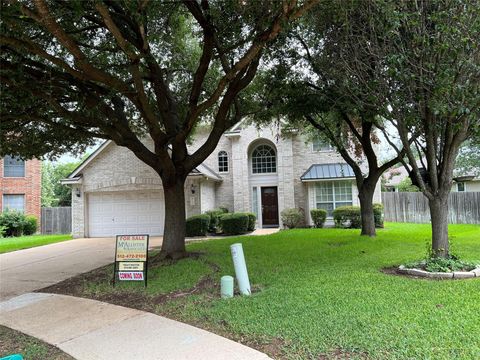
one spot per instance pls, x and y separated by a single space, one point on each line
292 218
30 225
347 216
197 225
318 216
13 223
252 218
235 223
378 215
215 218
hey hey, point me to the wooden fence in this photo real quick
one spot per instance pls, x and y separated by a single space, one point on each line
56 220
463 207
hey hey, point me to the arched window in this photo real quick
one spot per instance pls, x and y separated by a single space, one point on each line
264 160
222 162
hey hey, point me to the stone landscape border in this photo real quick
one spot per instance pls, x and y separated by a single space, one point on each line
475 273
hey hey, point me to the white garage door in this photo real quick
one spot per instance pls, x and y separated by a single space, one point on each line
131 212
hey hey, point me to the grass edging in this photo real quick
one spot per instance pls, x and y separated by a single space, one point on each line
26 242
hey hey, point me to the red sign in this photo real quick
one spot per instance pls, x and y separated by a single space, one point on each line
130 275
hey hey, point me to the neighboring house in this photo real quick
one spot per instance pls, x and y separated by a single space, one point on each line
461 182
20 185
250 170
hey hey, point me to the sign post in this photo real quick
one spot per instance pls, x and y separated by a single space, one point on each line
131 258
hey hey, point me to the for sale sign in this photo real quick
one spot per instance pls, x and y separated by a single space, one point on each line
131 256
132 248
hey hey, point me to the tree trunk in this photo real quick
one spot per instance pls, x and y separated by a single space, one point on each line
365 195
173 245
439 219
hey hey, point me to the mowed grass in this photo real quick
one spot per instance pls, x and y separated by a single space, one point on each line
15 342
321 294
24 242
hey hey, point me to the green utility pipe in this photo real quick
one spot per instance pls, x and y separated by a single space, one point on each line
226 287
240 269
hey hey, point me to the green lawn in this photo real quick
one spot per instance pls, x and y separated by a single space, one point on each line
25 242
321 295
15 342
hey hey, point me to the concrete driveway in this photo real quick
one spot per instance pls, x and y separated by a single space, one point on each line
27 270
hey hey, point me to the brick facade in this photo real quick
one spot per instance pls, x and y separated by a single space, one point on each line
117 169
29 186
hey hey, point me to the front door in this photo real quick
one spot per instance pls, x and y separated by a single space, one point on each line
269 206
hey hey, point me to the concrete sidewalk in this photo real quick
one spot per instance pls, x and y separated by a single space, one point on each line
92 330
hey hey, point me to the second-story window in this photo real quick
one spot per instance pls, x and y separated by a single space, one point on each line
321 145
13 167
222 162
264 160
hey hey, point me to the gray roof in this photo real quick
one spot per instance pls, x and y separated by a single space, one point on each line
328 171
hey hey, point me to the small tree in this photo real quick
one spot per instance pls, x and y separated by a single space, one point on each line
53 192
406 186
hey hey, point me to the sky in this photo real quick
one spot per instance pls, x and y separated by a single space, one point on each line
69 157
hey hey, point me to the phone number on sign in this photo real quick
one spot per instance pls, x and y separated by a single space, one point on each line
131 256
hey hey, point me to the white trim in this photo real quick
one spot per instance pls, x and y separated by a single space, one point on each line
72 181
232 134
203 169
228 162
329 179
236 126
259 203
334 202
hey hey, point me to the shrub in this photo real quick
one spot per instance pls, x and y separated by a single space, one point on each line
215 218
30 225
438 264
13 221
378 215
292 218
252 218
347 216
318 216
2 231
234 223
223 208
197 225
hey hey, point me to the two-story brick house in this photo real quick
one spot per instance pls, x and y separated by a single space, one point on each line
20 185
250 170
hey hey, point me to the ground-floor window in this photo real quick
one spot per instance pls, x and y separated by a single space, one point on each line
14 202
331 194
255 201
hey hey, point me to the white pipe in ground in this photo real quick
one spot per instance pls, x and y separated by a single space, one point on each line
240 269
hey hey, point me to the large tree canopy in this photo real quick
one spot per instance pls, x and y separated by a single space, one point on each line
72 71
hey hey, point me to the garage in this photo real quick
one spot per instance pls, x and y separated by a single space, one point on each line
130 212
